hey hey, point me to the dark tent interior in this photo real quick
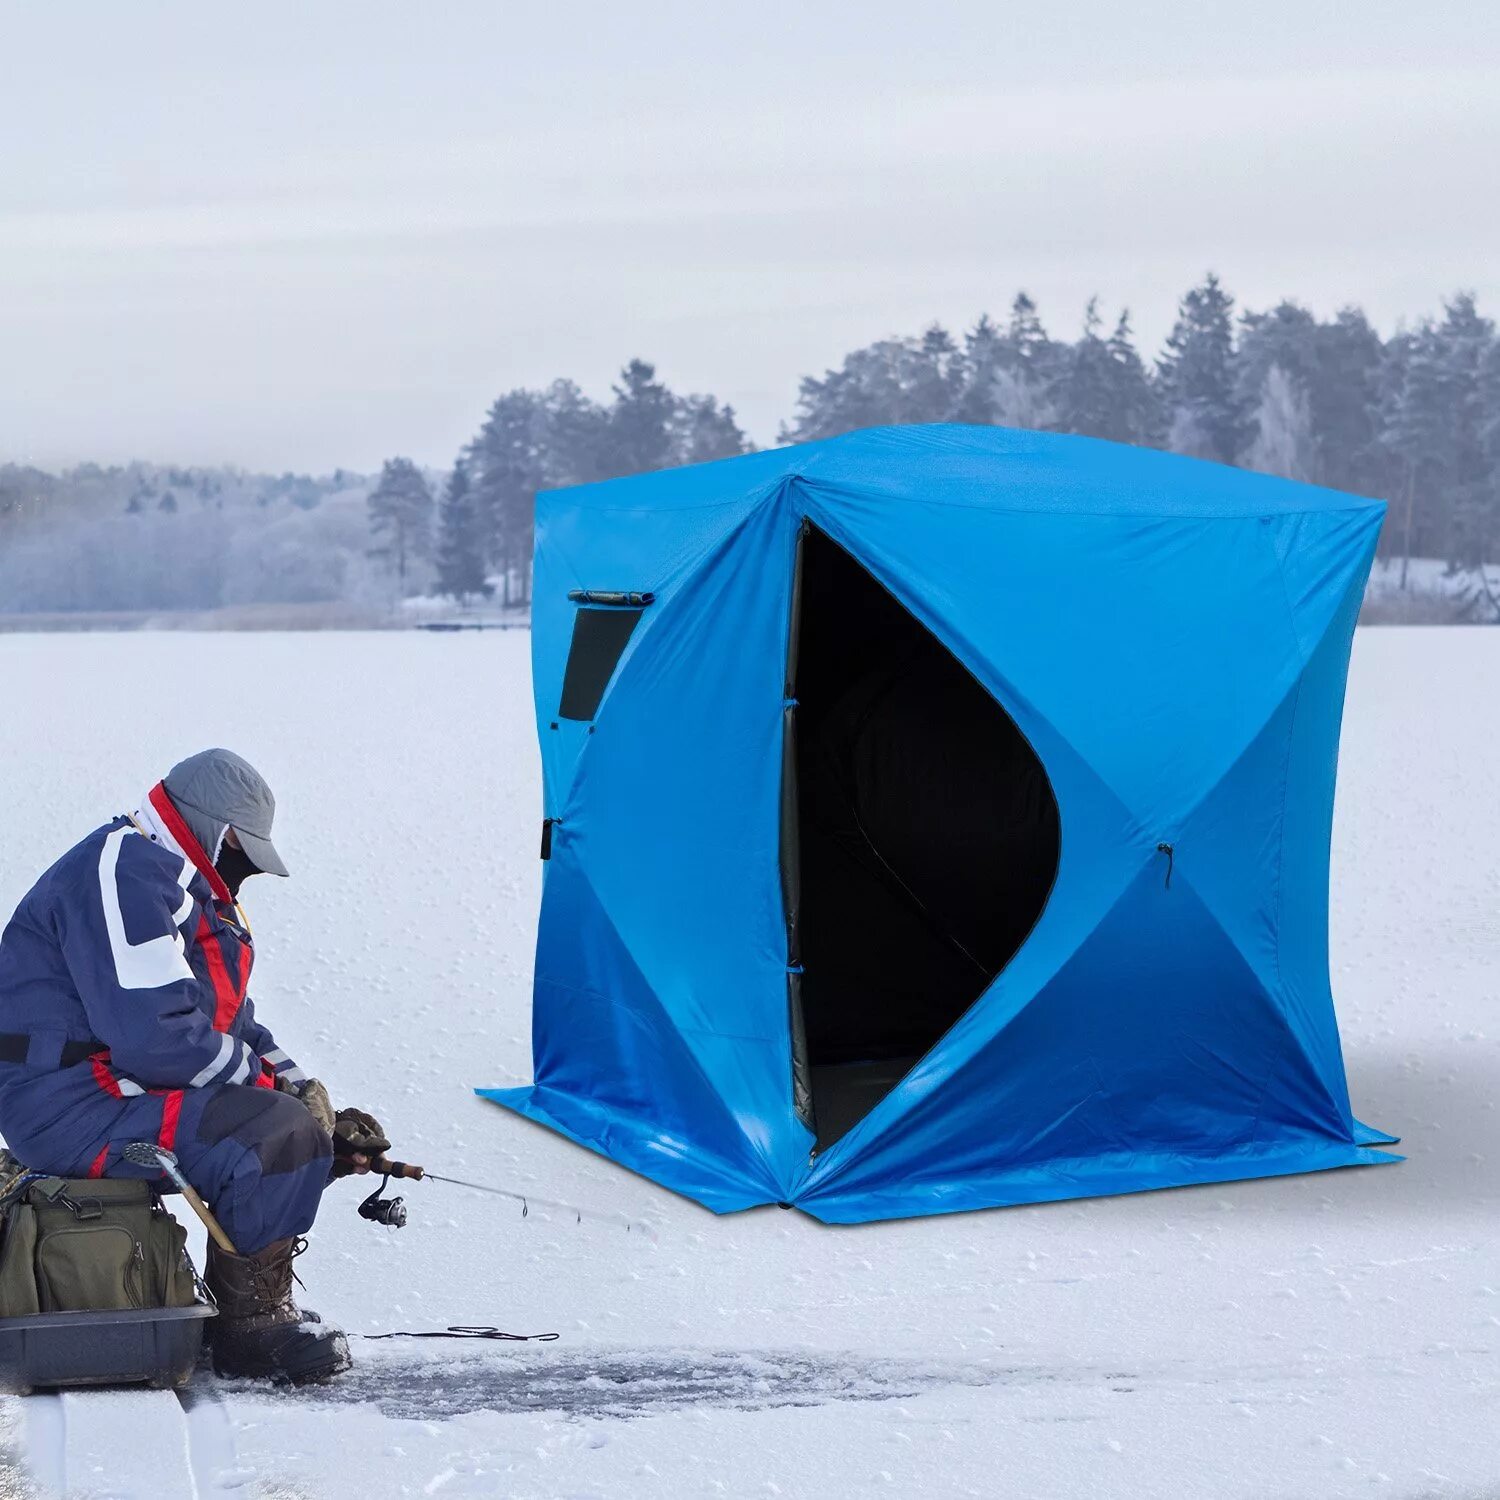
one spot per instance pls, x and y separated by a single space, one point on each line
920 837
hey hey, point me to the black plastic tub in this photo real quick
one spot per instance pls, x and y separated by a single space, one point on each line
156 1346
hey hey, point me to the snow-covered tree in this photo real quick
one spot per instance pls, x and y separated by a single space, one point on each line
1283 443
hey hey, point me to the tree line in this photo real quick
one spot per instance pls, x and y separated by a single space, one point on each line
1413 419
532 440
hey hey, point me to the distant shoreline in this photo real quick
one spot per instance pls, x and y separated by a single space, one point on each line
259 617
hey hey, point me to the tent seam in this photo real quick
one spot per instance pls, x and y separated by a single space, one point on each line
1286 763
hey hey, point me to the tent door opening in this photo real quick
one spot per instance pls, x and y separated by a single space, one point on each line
920 838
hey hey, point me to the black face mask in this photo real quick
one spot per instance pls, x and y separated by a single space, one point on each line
235 867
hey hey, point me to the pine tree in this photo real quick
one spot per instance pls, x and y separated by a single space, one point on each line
510 460
1345 396
1204 408
1467 339
1083 391
1414 427
887 383
1489 386
1026 340
703 430
982 359
400 508
930 378
573 436
1435 426
461 540
1024 389
639 437
1102 389
1136 408
1286 336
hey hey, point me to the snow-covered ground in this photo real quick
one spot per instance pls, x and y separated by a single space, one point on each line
1323 1336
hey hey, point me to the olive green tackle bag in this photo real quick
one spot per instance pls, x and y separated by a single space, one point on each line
90 1245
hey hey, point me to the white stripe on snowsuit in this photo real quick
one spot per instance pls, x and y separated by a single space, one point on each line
138 966
226 1051
245 1064
283 1067
220 1070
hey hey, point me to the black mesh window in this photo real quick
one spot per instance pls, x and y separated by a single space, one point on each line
599 636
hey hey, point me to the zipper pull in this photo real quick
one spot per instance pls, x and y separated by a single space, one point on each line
1167 850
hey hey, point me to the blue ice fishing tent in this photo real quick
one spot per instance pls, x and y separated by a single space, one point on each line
938 818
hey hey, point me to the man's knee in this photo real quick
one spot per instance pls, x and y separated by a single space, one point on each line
276 1128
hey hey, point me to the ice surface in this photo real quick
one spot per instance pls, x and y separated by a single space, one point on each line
1324 1336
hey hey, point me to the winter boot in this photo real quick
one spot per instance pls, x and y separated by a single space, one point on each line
260 1332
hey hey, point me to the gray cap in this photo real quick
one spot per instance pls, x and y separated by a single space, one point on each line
217 789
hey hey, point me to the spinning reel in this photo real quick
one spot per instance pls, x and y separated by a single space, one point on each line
391 1212
379 1209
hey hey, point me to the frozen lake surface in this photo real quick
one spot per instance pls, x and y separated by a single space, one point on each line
1331 1335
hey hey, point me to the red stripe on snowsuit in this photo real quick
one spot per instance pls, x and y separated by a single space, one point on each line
97 1168
227 994
103 1076
171 1112
266 1078
190 846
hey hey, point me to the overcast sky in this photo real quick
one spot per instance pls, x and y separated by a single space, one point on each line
309 235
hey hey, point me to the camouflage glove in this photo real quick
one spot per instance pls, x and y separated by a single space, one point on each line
356 1134
314 1096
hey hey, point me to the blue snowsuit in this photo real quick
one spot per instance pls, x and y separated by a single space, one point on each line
124 1017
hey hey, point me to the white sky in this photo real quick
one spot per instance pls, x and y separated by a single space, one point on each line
303 235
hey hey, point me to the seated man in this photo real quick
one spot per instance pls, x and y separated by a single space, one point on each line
124 1017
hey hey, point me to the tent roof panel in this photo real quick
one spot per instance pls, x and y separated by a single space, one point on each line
998 468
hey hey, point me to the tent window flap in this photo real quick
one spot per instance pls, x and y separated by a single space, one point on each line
599 638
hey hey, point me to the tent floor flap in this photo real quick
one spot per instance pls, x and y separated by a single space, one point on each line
680 1166
1094 1177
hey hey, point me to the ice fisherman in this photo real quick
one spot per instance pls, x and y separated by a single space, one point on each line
124 1017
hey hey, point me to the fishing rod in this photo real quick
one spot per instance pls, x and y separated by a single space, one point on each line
392 1211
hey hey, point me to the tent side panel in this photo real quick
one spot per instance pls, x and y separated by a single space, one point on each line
1327 567
672 818
612 1073
1155 1040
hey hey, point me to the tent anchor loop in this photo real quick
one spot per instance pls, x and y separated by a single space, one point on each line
1167 850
